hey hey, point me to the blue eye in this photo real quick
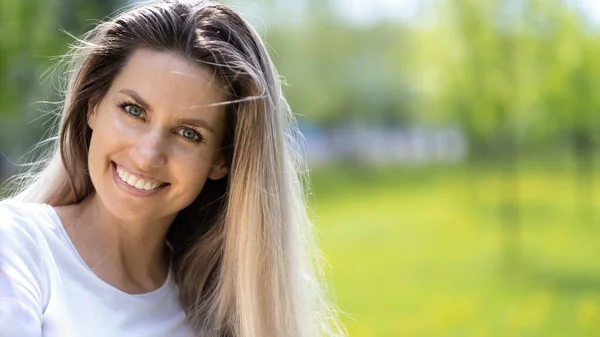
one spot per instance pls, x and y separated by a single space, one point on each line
133 110
190 134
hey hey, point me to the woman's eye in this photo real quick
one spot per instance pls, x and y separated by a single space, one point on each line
190 134
134 110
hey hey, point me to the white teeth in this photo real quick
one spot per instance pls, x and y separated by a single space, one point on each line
130 179
140 184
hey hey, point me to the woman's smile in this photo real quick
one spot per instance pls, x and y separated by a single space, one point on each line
137 180
135 184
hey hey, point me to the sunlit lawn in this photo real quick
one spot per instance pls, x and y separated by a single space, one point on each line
421 252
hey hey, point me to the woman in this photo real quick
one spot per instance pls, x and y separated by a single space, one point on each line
169 203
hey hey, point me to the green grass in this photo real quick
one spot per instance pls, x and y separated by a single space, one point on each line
427 253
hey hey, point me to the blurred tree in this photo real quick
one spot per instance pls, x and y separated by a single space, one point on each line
488 95
486 87
77 16
572 77
26 32
512 74
27 39
496 65
30 41
340 72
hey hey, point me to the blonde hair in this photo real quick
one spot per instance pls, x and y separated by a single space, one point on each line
243 252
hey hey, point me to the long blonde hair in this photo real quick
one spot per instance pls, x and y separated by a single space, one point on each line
243 252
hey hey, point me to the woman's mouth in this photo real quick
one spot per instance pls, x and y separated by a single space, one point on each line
135 181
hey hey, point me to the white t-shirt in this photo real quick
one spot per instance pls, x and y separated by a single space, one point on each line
46 289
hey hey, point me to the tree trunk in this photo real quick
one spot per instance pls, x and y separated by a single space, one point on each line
583 146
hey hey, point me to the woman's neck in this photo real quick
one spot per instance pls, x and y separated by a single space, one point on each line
129 255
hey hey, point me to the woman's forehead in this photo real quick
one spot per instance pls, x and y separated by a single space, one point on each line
165 76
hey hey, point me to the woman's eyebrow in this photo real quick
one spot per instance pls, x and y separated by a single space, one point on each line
196 122
136 96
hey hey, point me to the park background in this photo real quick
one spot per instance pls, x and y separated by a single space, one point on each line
452 144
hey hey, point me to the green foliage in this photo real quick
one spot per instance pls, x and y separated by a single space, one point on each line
33 35
26 33
338 72
528 69
506 72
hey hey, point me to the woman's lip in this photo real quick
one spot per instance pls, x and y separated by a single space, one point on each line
132 190
138 175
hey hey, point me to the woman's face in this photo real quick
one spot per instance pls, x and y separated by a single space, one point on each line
155 139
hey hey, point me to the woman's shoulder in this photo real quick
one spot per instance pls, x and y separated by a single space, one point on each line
22 221
24 233
21 211
23 274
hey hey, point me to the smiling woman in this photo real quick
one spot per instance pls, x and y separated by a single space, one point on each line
156 132
170 203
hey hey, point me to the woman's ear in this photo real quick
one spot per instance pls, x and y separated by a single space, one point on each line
219 168
91 113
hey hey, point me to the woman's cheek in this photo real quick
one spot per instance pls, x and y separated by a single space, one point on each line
124 129
195 165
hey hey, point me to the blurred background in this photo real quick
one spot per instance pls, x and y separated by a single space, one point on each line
452 146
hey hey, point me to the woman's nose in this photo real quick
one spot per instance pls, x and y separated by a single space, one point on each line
149 151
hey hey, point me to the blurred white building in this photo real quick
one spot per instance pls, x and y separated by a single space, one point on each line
379 145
